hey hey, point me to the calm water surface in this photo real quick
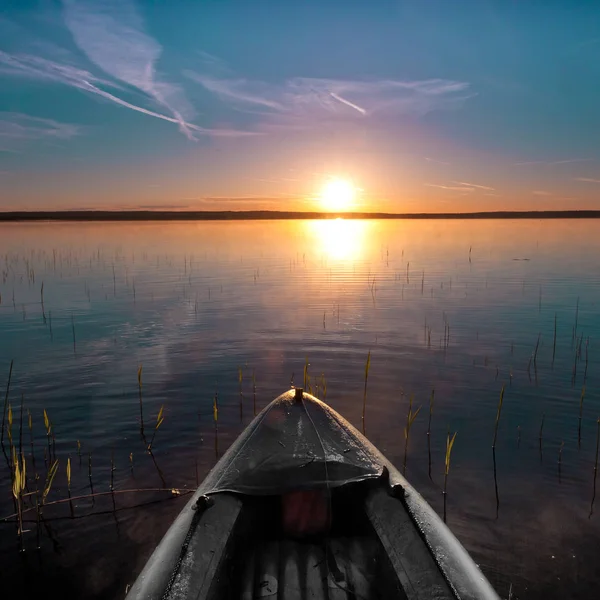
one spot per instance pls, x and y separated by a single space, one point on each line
454 306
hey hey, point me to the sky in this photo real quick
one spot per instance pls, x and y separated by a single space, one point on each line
417 106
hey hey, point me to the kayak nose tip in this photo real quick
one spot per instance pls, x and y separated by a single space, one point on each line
298 392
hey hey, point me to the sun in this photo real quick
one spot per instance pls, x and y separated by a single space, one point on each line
337 194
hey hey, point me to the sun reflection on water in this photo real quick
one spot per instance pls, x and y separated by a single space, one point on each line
339 239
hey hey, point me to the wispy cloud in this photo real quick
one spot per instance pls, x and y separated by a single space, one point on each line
313 98
474 185
112 37
454 188
587 179
16 128
541 193
34 67
433 160
552 163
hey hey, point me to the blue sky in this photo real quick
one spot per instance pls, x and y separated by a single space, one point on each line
421 106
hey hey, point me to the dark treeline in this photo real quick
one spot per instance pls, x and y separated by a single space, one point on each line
167 215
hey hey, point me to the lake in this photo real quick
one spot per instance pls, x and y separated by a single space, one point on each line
236 310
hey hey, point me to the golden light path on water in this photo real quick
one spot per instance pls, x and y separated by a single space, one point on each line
339 239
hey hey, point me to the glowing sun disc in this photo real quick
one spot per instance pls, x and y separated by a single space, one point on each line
337 195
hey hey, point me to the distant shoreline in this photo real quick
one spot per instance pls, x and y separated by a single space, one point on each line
255 215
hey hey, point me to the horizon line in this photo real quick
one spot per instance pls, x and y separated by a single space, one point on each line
231 215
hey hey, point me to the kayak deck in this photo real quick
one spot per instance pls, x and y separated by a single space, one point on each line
354 559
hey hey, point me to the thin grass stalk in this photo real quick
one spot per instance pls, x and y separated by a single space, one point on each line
216 421
576 319
541 434
254 392
537 345
19 478
21 427
73 331
580 417
496 481
131 462
90 475
42 301
367 366
240 381
9 428
139 377
498 413
69 487
159 421
172 491
410 419
554 342
429 430
560 449
306 377
30 425
449 444
10 370
50 475
112 478
595 466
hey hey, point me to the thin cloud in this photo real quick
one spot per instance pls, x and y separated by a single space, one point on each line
34 67
111 35
474 185
587 179
311 98
348 103
454 188
552 163
433 160
541 193
15 128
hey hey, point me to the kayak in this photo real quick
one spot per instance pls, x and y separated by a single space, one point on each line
303 506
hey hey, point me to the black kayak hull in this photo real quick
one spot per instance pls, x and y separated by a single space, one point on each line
298 442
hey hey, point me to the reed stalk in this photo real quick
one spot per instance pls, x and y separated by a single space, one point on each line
30 425
139 378
542 433
73 331
367 366
240 381
449 444
580 417
254 391
216 421
112 478
306 377
50 475
560 449
90 475
576 319
410 419
498 413
18 486
69 487
431 398
554 342
159 421
10 370
595 467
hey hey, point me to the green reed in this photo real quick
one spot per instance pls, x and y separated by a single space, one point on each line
410 419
